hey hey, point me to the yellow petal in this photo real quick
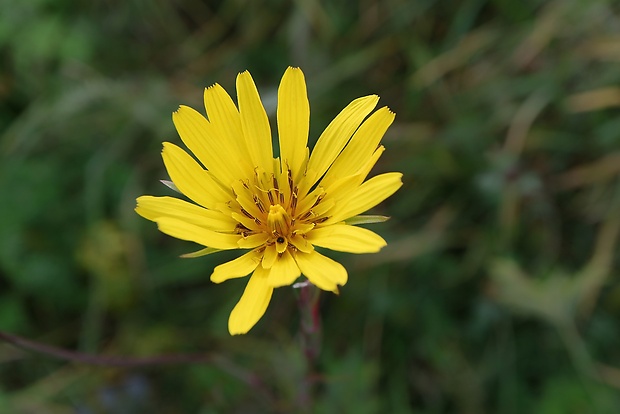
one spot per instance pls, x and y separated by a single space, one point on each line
361 147
202 140
253 240
341 188
322 271
338 132
293 120
191 179
253 303
305 203
365 168
284 271
254 123
224 117
152 208
241 266
301 243
366 196
346 238
190 232
269 257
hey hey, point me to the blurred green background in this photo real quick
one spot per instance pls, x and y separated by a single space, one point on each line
497 293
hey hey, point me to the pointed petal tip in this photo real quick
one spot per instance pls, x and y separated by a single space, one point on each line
243 74
182 110
398 176
176 111
389 111
374 98
165 144
366 100
238 332
293 69
138 209
234 331
213 87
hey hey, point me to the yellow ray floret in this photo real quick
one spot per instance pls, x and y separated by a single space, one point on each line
277 209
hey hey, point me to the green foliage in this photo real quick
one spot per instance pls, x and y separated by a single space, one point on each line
497 291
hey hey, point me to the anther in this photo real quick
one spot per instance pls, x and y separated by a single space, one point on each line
294 200
258 203
289 178
318 200
245 213
306 215
240 228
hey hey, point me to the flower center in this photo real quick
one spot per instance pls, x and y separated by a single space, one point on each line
277 211
279 221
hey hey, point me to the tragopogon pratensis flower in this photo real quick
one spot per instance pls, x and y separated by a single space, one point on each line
279 209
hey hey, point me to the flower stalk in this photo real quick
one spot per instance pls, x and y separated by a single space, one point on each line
310 329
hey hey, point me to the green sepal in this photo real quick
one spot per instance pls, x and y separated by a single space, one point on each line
170 185
202 252
366 220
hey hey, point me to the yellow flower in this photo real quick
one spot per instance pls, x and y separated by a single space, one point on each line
277 208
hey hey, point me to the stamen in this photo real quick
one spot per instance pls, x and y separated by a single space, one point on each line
245 213
294 200
306 215
318 200
289 178
259 203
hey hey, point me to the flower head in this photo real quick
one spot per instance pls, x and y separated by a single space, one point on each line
278 209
